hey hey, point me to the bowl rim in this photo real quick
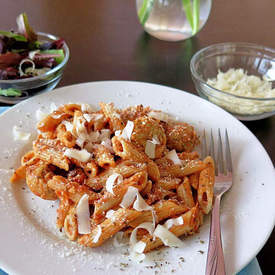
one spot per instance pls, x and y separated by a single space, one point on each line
246 44
53 70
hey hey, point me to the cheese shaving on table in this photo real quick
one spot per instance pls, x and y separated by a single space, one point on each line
83 215
40 115
113 180
171 222
159 115
81 155
127 131
132 195
98 234
172 155
167 237
19 135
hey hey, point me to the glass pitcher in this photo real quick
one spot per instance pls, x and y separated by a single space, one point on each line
173 20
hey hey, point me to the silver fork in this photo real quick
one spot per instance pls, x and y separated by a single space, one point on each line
223 181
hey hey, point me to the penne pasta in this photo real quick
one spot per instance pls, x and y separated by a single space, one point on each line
206 186
109 227
114 170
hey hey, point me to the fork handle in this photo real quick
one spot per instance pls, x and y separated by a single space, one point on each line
215 259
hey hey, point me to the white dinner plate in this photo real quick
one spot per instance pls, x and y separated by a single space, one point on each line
31 244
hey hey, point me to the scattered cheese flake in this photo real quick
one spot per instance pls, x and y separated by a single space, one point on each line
172 155
80 142
132 195
81 155
136 246
86 108
159 115
19 135
88 117
112 180
150 149
140 204
137 257
167 237
129 197
108 144
68 125
110 215
155 140
40 114
127 131
171 222
53 107
83 215
117 133
98 234
139 247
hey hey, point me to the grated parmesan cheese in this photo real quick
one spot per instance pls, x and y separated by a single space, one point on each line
237 82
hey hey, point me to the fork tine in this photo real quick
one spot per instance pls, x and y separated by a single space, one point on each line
220 159
228 158
204 145
212 151
211 148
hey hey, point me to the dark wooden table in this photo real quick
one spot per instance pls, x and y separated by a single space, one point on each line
107 43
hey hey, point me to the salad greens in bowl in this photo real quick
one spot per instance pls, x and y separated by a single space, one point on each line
30 62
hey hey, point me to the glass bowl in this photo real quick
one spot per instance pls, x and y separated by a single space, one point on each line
254 59
37 84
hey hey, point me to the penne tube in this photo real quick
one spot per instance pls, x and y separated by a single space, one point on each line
51 151
112 116
126 150
206 185
184 193
169 183
109 227
108 201
125 168
162 210
191 222
65 137
70 225
74 190
103 156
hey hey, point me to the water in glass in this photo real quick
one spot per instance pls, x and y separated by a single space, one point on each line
167 19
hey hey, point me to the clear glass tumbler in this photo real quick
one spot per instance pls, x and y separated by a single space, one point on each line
173 20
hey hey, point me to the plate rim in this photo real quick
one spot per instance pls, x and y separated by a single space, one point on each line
125 82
